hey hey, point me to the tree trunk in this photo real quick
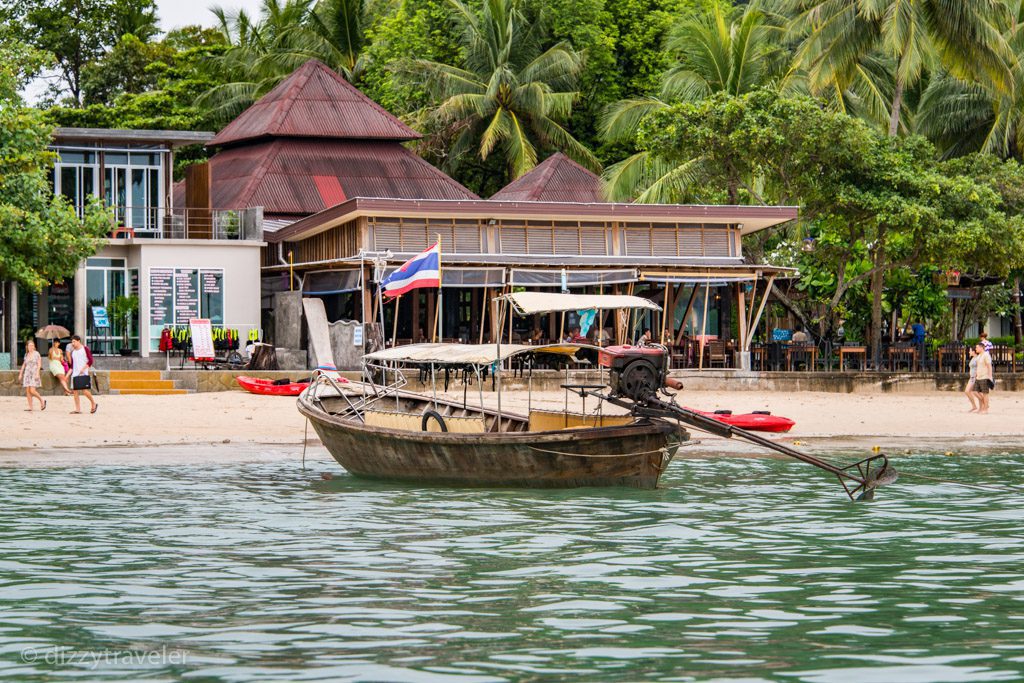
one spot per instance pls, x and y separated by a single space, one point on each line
877 287
897 106
1018 328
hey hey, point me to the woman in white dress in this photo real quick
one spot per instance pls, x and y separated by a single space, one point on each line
29 375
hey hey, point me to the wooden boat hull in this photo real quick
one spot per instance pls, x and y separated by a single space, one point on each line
634 455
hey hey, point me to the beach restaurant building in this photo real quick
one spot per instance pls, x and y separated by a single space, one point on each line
314 189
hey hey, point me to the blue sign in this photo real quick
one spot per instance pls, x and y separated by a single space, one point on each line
99 317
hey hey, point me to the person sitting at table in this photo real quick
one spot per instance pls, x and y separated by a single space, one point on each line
801 337
644 338
536 336
574 336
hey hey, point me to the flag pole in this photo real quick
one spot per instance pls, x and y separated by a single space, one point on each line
438 333
394 326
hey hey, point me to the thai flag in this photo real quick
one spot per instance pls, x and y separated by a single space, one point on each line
422 270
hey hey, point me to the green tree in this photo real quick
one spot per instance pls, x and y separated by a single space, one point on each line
265 50
842 36
731 51
875 203
510 96
78 32
42 240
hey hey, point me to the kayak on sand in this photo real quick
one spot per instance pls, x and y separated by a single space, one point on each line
270 387
757 421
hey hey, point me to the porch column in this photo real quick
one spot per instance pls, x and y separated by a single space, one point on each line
81 303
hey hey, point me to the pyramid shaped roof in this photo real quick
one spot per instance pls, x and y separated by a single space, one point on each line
557 179
314 102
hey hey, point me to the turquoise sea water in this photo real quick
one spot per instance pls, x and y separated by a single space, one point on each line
738 570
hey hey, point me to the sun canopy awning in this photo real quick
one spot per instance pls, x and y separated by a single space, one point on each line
464 354
528 303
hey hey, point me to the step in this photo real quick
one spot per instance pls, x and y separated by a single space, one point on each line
134 374
148 392
142 384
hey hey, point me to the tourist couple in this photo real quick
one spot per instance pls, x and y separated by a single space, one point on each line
74 370
981 381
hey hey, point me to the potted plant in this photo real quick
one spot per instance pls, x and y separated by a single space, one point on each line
122 310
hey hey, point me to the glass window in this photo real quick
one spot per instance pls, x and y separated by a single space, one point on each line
104 263
69 184
73 157
111 158
95 287
138 202
145 159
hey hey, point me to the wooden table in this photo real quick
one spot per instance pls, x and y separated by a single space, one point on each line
860 352
894 351
801 348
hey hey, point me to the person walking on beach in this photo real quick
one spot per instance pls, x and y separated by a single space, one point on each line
29 375
81 361
983 381
58 368
969 391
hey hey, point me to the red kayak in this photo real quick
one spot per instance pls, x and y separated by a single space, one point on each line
758 421
270 387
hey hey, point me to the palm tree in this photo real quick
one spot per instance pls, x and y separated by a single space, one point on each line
963 116
723 50
287 34
913 36
509 96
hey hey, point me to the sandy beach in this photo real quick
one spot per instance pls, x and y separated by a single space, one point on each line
236 425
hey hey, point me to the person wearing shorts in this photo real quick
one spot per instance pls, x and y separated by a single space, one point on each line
969 390
983 382
81 361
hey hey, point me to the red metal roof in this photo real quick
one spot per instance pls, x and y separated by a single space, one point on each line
302 177
314 102
557 179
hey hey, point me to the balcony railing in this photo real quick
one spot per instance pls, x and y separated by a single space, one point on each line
204 224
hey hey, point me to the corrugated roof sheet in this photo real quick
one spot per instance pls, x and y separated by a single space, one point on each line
557 179
314 102
289 176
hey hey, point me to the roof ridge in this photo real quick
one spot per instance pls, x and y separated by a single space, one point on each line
287 101
438 172
363 96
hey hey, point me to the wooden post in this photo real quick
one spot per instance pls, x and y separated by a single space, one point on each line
394 326
760 309
483 313
686 315
437 314
704 325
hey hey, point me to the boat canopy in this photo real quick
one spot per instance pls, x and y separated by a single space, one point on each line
528 303
465 354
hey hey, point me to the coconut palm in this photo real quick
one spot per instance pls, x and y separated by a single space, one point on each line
509 96
963 116
914 36
287 34
723 50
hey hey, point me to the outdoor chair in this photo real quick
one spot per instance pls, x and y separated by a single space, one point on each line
717 353
950 357
800 354
1003 358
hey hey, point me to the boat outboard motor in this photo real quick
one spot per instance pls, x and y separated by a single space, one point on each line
635 372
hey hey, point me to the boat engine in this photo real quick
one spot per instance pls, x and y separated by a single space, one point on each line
635 372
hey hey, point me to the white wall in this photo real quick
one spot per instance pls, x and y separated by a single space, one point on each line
240 262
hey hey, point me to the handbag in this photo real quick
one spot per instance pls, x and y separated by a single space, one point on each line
79 382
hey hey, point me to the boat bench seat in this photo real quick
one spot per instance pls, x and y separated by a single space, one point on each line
414 423
552 420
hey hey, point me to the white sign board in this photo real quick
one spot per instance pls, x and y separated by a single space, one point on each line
357 335
202 339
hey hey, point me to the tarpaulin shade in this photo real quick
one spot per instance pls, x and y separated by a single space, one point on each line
525 277
322 282
528 303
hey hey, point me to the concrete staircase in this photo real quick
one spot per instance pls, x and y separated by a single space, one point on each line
142 382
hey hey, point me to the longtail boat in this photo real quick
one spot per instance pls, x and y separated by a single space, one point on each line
377 428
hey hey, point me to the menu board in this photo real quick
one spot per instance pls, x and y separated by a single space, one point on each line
161 296
211 283
186 295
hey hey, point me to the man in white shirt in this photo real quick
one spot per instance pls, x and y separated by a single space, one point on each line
81 382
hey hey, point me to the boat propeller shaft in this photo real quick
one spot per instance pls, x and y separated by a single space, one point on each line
859 480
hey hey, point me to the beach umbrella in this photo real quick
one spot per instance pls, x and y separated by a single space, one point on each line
53 332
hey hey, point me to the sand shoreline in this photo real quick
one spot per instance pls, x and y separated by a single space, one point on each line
236 427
